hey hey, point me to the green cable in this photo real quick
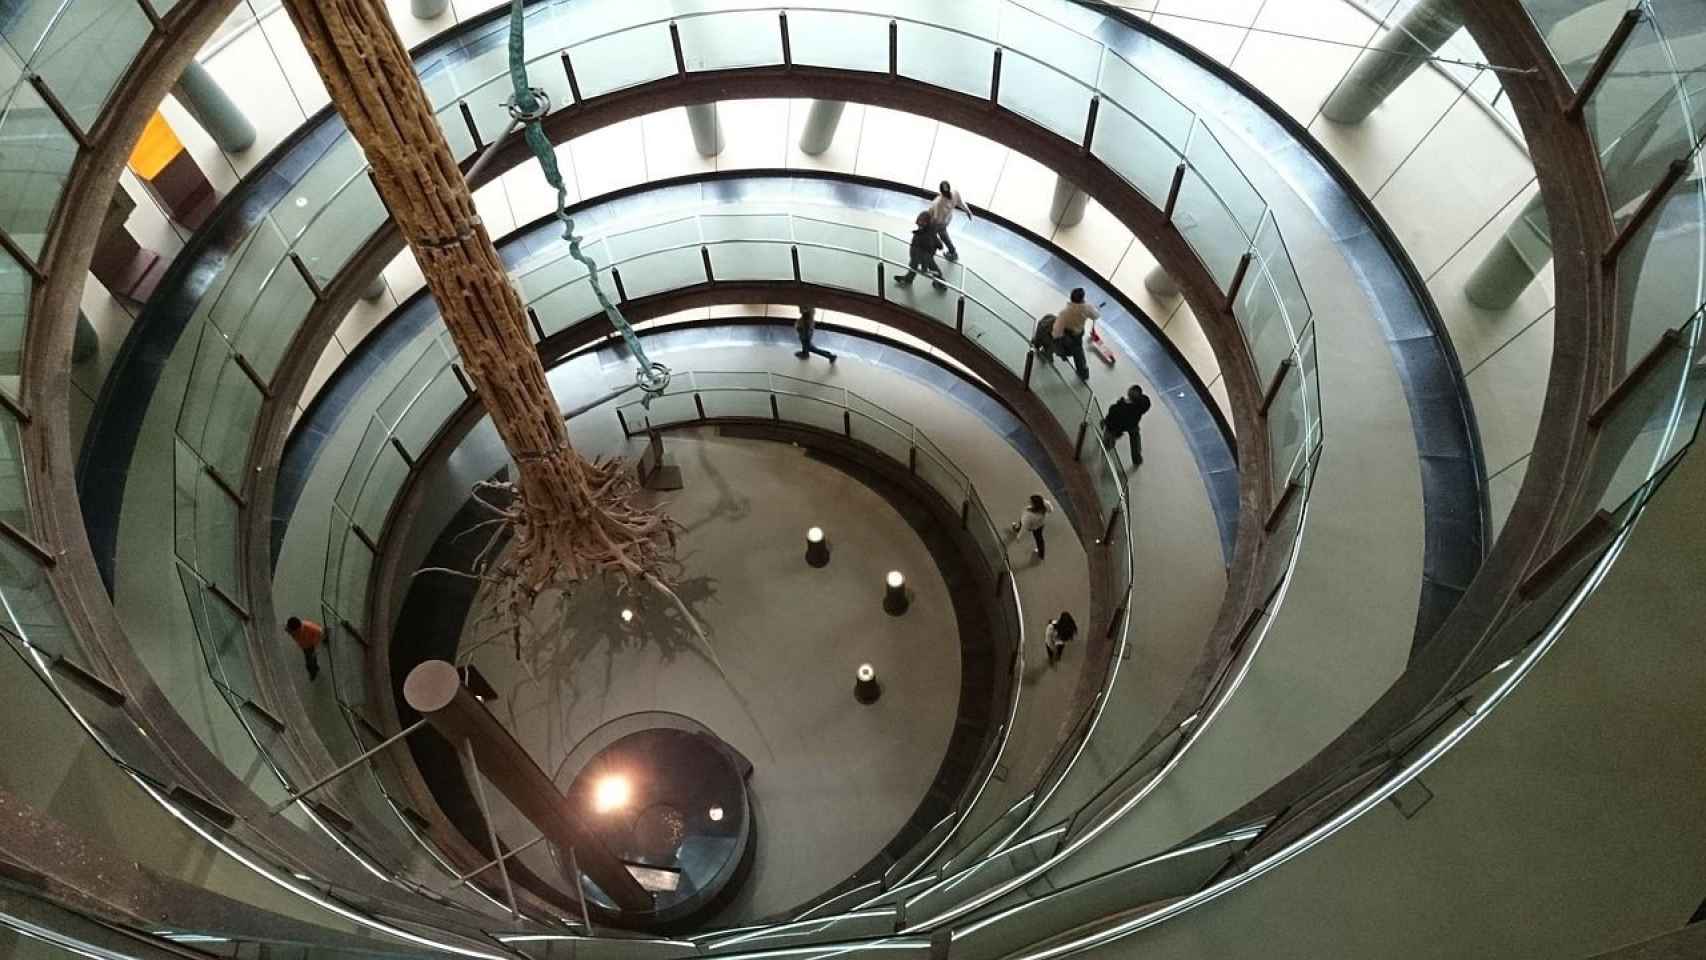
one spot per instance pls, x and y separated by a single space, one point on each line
528 106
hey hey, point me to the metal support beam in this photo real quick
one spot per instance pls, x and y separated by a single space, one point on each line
296 797
434 689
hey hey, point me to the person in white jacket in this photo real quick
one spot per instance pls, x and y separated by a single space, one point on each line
1034 516
942 213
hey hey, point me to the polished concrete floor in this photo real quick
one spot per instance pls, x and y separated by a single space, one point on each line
775 680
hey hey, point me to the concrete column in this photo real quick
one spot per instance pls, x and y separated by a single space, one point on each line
707 131
434 690
821 123
1067 208
1513 263
1392 58
201 95
428 9
1160 283
375 290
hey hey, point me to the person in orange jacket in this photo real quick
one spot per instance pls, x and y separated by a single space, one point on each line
308 636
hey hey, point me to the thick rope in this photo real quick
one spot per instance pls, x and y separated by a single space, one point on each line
528 105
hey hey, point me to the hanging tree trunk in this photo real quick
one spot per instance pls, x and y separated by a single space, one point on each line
572 518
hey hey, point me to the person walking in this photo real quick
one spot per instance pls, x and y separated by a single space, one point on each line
1032 518
308 636
922 254
1069 323
806 327
1060 632
1125 416
942 213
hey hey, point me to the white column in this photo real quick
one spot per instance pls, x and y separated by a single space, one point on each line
1160 283
821 123
707 131
1067 208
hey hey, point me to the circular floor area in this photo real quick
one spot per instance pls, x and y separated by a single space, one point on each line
833 781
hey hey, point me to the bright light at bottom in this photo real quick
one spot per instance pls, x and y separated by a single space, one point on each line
895 579
611 793
627 616
814 535
716 813
867 673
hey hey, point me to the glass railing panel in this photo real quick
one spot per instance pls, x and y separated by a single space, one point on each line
223 637
353 566
262 254
1106 471
828 929
1649 424
381 486
430 356
1045 94
1210 228
341 228
1275 257
985 875
25 24
980 835
39 153
14 477
627 244
539 278
731 39
847 41
944 58
220 407
941 476
349 489
1137 153
27 605
940 304
1172 874
996 324
1639 115
455 129
841 268
1261 316
828 233
717 227
1208 158
890 439
206 524
14 316
810 411
668 409
1661 272
1143 99
322 180
751 260
620 60
662 271
1067 397
1291 418
86 51
430 411
278 311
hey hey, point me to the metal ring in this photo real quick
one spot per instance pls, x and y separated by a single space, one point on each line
542 106
653 379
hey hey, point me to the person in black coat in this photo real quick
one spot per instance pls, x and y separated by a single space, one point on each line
926 240
1126 416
